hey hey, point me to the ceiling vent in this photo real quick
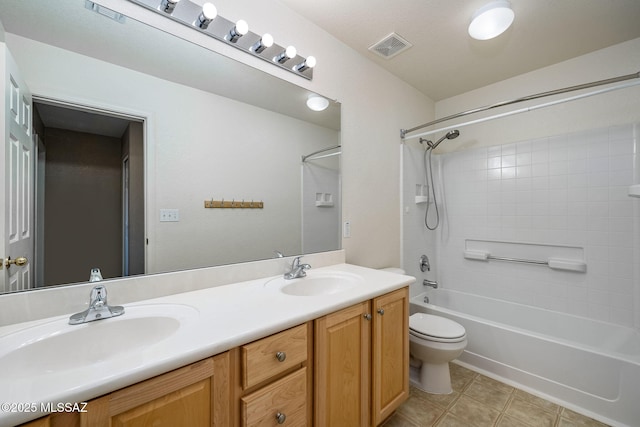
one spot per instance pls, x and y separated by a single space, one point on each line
390 46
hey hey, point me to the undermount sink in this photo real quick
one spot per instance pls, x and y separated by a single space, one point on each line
56 346
316 284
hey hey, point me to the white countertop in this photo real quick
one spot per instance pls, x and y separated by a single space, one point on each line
228 316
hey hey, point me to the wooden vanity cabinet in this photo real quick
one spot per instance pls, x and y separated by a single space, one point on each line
274 379
342 367
390 353
362 362
191 395
61 419
348 368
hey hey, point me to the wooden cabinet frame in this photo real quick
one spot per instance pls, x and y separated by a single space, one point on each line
356 366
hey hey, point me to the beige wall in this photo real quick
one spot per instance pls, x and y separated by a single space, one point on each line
613 108
375 106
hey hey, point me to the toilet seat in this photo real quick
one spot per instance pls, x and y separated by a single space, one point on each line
435 328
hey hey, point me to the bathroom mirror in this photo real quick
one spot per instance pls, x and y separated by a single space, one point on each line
213 130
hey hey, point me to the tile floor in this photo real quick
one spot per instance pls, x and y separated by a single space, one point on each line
479 401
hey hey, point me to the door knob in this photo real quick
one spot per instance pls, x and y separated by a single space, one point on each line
20 261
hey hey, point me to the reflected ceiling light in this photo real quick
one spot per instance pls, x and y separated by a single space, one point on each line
317 102
168 5
491 20
264 42
208 14
310 62
240 29
287 54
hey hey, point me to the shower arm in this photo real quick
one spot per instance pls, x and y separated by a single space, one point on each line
404 132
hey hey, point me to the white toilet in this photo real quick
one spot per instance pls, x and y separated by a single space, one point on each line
434 341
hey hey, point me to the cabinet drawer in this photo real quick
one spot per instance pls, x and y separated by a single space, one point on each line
285 398
270 356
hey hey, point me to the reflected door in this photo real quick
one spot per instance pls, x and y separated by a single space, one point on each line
18 195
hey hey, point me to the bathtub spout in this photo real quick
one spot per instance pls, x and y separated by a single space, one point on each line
431 283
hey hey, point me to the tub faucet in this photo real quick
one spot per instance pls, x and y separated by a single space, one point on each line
98 308
297 269
431 283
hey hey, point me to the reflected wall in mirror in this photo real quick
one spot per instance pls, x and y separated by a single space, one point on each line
212 128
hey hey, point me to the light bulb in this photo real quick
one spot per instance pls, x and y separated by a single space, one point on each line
289 53
241 28
208 14
265 42
310 62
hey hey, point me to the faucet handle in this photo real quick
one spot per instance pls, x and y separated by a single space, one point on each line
98 296
424 263
296 261
95 275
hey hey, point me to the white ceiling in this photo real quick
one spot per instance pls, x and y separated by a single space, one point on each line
444 61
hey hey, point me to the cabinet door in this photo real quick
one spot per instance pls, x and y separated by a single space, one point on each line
59 419
390 351
342 374
186 396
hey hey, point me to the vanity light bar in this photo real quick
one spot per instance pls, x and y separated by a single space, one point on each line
236 34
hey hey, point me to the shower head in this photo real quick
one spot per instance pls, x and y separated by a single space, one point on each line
450 135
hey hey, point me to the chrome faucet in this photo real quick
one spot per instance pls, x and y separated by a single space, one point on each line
431 283
424 263
98 308
297 269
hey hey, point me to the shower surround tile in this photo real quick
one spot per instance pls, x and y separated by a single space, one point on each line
562 190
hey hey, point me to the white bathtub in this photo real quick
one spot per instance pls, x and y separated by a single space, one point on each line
588 366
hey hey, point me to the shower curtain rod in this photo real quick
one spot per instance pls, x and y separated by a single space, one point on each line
304 158
404 132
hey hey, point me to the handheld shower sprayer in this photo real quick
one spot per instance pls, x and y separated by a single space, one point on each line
450 135
428 176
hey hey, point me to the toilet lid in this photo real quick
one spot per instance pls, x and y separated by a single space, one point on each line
435 326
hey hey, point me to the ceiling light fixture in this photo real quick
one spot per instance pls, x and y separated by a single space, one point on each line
317 102
491 20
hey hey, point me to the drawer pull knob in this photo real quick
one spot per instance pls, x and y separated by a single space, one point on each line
280 418
381 311
367 316
281 356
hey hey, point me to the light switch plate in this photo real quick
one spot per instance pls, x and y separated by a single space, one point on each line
169 215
